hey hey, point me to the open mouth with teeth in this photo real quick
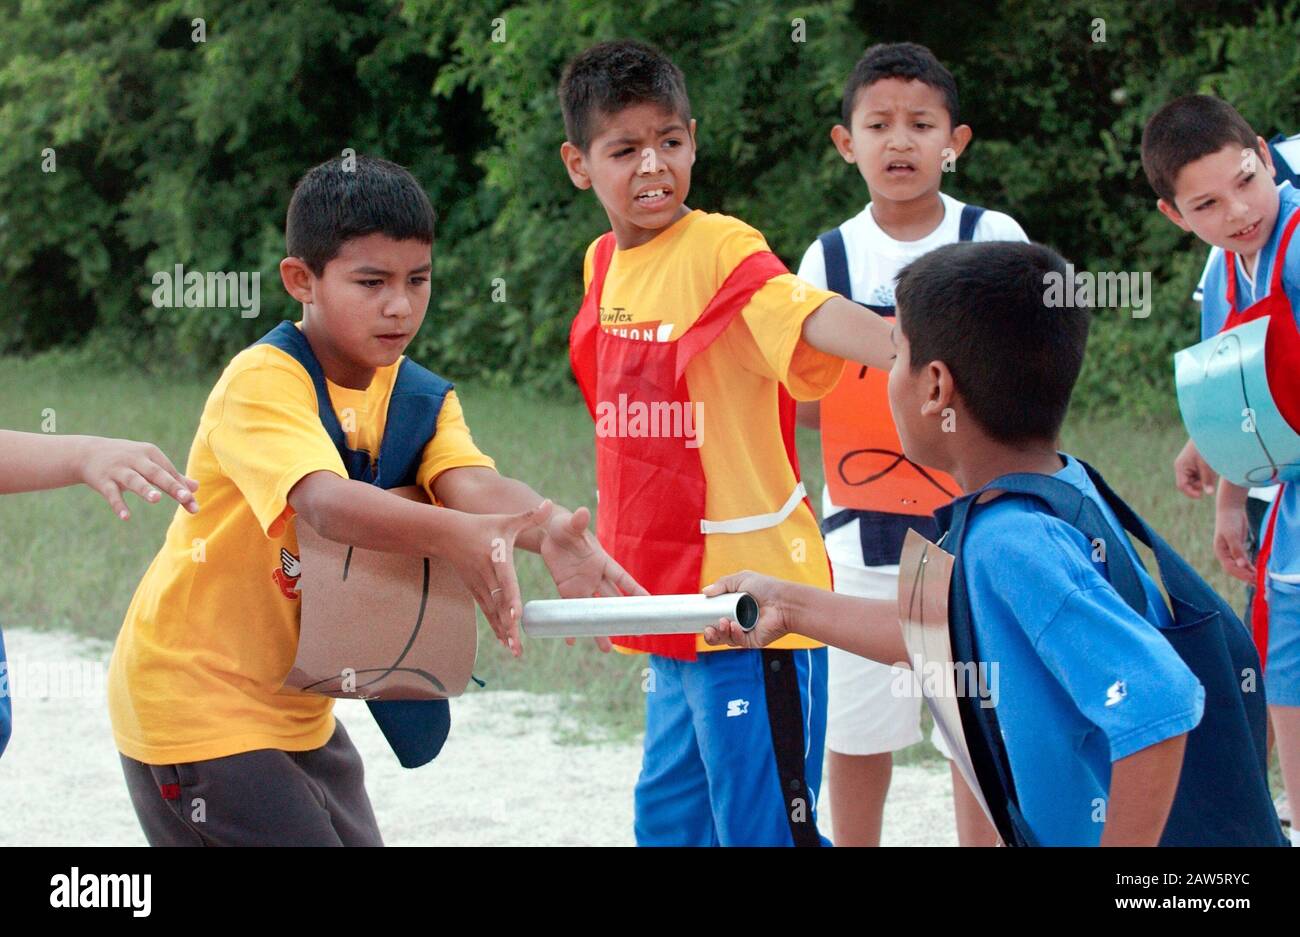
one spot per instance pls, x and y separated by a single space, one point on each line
900 167
654 197
1246 233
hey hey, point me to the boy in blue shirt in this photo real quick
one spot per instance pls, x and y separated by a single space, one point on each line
1093 703
1214 178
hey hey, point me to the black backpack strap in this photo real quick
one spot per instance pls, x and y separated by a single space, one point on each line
970 217
836 261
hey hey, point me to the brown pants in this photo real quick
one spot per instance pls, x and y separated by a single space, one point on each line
266 797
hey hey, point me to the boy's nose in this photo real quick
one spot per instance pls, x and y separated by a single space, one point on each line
1238 212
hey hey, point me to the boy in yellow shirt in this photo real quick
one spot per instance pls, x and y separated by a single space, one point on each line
690 348
212 753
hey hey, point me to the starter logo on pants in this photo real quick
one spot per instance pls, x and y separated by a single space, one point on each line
737 707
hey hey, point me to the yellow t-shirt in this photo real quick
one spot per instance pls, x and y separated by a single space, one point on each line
654 292
212 629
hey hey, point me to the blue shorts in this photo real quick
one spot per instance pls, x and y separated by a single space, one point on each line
1282 667
733 750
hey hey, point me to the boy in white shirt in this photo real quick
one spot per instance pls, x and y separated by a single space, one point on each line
901 129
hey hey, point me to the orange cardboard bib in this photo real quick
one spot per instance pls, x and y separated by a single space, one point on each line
863 458
384 626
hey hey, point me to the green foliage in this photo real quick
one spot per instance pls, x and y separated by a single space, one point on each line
175 151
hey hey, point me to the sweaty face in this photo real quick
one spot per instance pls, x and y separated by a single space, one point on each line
1228 199
899 133
371 299
639 163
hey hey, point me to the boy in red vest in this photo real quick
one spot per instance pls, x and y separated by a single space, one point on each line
690 348
1214 178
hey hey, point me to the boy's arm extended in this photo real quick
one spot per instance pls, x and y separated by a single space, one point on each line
1142 787
577 562
866 627
480 547
39 461
843 328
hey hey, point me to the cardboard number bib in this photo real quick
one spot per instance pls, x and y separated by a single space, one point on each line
863 458
925 574
1229 410
385 626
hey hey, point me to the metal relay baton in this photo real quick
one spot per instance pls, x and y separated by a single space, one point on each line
636 615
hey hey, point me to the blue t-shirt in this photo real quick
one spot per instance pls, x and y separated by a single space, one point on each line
6 712
1082 680
1285 558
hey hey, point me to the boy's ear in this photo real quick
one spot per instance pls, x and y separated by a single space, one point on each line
939 389
1170 211
297 279
961 135
695 147
843 141
1266 156
576 164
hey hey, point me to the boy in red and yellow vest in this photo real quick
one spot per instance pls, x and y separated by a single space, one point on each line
691 345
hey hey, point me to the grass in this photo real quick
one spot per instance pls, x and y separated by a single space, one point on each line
72 566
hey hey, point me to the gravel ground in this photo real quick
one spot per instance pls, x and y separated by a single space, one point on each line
506 775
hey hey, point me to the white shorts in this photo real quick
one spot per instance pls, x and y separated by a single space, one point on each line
871 707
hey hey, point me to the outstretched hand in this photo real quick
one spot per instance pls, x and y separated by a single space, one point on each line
579 565
115 466
487 567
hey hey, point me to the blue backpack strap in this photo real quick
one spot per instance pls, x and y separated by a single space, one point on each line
413 410
6 709
980 724
1081 512
836 261
415 729
970 217
1283 171
289 339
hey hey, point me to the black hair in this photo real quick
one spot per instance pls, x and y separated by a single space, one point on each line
612 76
1186 129
982 308
905 60
351 197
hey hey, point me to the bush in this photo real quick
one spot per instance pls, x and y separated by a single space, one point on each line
170 150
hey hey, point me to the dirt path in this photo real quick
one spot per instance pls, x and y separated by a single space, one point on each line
503 778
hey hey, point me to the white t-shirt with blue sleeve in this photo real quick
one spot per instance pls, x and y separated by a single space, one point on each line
1082 680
